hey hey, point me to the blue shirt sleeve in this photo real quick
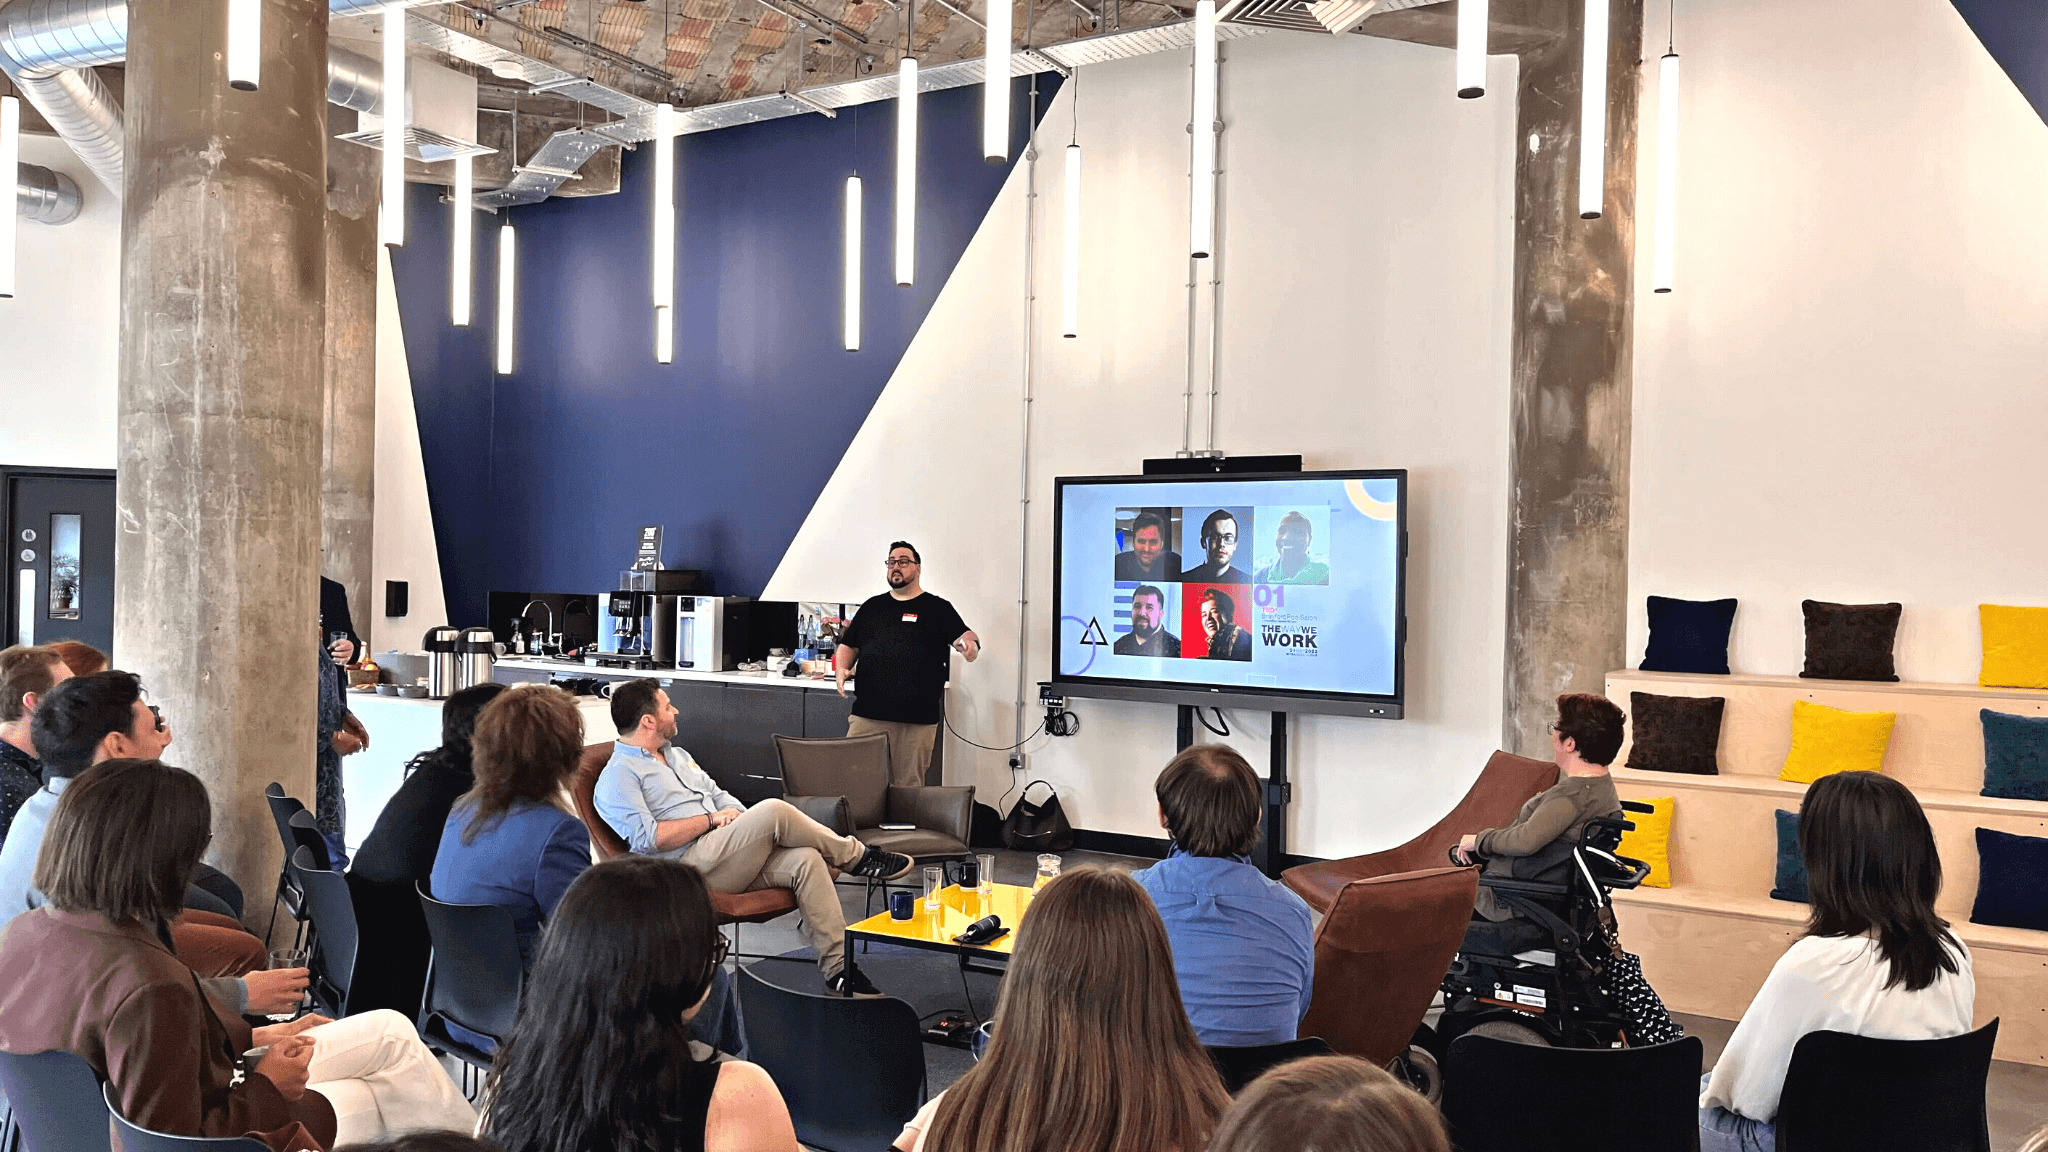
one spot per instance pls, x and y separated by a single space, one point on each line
620 799
563 858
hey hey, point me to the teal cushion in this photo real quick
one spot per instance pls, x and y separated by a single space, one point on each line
2015 755
2012 880
1791 869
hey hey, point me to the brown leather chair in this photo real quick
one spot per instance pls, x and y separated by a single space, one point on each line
757 907
856 768
1381 953
1506 784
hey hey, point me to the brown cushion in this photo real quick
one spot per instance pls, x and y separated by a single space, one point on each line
589 767
1675 733
918 842
1850 641
752 907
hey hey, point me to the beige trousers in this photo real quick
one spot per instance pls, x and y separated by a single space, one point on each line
910 747
772 845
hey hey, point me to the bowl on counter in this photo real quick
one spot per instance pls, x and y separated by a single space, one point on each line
387 689
413 691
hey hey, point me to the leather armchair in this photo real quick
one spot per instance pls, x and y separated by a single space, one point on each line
847 780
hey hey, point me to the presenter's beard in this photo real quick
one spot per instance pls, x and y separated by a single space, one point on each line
898 577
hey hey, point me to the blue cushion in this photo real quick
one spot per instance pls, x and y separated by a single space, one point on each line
2015 755
1688 635
2012 880
1791 869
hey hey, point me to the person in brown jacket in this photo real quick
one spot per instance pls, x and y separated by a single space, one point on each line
94 972
1583 740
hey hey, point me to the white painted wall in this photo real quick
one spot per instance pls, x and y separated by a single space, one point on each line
1844 398
60 336
1367 246
402 534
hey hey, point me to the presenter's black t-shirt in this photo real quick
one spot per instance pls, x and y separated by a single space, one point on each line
905 651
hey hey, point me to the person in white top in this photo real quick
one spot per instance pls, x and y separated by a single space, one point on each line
1875 960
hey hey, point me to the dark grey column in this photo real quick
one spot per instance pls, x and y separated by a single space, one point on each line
349 448
223 288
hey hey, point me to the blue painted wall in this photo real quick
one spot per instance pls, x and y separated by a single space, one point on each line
538 479
2016 35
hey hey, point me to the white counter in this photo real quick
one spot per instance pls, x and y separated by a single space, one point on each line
578 668
400 729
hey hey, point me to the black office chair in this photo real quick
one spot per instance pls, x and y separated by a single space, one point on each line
1240 1065
306 834
334 932
282 809
135 1138
1500 1096
473 980
1847 1092
56 1100
851 1070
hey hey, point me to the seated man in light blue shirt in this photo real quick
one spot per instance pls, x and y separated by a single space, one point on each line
1243 945
662 804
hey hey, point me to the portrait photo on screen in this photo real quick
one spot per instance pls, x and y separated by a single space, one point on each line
1220 550
1148 544
1292 545
1213 619
1147 620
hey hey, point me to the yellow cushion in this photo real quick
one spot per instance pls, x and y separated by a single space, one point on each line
1650 841
1827 740
2015 646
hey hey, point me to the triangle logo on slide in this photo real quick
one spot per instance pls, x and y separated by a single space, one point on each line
1094 633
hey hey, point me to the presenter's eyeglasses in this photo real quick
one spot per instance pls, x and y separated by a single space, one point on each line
892 562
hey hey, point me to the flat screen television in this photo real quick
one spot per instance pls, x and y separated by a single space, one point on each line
1276 591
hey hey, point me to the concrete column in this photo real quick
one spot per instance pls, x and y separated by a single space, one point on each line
348 449
223 323
1572 381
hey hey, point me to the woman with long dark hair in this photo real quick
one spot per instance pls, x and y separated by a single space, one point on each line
603 1058
1092 1050
1875 959
401 848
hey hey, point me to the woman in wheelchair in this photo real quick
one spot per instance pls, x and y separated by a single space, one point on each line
1538 845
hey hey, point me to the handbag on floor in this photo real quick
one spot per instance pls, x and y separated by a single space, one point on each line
1649 1022
1040 827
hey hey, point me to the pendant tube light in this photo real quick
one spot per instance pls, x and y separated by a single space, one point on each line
1202 129
664 255
664 335
1593 114
461 274
1471 49
1070 304
851 318
1665 253
906 170
10 163
995 100
508 262
391 216
245 44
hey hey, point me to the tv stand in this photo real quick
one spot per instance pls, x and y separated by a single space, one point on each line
1270 856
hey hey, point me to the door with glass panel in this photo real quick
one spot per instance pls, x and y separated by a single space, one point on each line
60 571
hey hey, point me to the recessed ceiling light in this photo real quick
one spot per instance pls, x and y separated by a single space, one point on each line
508 69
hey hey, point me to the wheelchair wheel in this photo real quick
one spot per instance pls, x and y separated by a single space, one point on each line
1418 1069
1512 1031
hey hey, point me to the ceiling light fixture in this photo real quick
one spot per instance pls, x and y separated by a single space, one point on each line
906 170
508 258
1202 130
664 335
1471 49
1665 253
10 163
664 254
461 275
1070 303
995 100
851 318
245 44
1593 113
391 216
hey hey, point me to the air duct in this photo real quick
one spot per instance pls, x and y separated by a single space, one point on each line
46 196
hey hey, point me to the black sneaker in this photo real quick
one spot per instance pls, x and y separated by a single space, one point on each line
876 864
851 981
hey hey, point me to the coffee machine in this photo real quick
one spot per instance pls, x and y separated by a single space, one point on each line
637 623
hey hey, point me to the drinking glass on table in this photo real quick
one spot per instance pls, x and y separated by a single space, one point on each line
934 879
290 958
985 872
1048 870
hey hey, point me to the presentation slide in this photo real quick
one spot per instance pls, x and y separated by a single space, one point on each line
1288 583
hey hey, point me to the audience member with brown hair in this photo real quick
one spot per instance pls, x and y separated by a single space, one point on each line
1092 1050
1583 741
1243 945
604 1059
83 659
511 840
1330 1104
94 972
26 675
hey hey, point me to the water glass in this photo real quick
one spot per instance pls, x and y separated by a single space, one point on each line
290 958
1048 870
934 879
987 862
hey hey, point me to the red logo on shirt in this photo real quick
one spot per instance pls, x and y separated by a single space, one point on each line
910 617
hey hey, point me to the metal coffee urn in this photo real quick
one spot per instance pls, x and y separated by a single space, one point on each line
443 666
476 651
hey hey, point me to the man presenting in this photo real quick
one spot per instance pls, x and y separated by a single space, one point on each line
1219 544
1148 558
1147 638
898 643
1219 621
662 804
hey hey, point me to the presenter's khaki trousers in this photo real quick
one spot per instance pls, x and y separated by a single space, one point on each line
910 747
773 845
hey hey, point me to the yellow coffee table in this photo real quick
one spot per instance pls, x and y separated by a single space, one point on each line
934 929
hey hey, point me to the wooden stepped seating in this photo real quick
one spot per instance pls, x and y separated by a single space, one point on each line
1709 940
